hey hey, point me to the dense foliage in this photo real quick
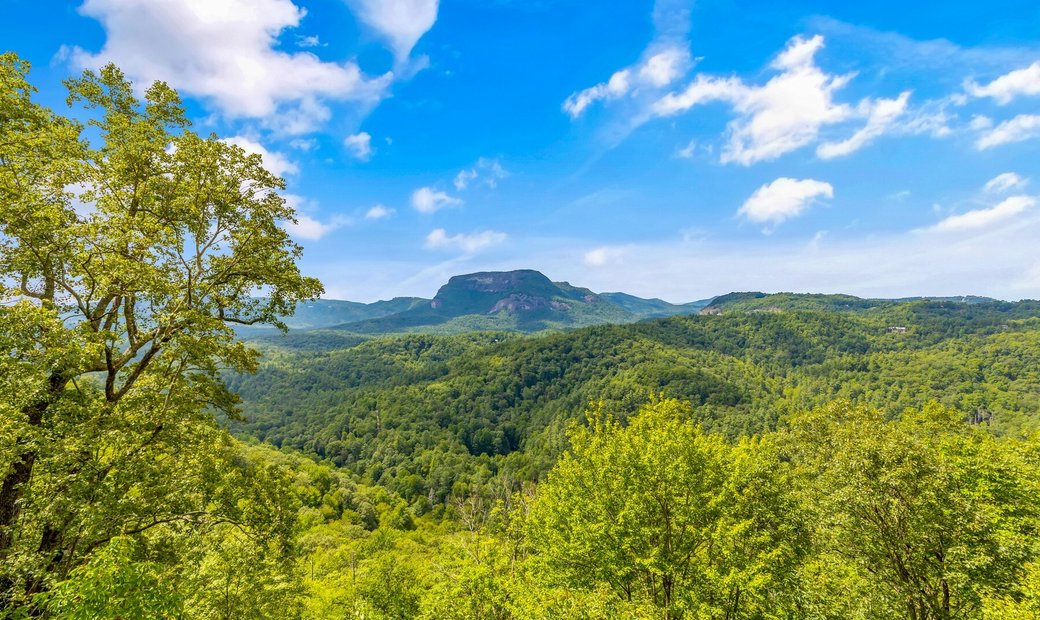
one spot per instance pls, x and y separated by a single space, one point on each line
431 416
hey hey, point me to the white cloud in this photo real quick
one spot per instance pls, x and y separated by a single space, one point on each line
687 151
429 200
658 69
601 257
784 114
1005 182
1005 88
793 107
401 22
359 145
665 67
981 218
303 144
463 178
378 212
1022 127
783 199
276 163
488 171
884 113
311 41
474 242
226 51
306 225
613 88
980 122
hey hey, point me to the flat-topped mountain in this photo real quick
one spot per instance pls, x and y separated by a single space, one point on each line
523 300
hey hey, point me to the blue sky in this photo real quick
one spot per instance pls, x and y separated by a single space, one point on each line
671 149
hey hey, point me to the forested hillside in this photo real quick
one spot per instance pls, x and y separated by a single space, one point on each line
429 415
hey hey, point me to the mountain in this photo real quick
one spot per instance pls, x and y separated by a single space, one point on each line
523 300
653 308
527 301
782 302
327 312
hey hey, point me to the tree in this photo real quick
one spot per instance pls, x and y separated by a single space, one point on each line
129 249
931 516
660 512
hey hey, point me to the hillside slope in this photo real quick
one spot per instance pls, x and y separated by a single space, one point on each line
423 413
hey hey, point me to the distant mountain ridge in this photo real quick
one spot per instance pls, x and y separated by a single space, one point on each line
527 301
755 301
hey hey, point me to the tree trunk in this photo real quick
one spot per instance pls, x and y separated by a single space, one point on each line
13 487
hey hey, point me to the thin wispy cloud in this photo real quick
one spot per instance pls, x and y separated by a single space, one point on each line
439 239
1005 182
401 22
1007 209
486 172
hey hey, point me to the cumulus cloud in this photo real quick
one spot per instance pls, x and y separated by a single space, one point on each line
276 163
1022 127
1004 89
401 22
378 212
359 145
784 114
783 199
226 52
486 171
1005 182
471 243
982 218
429 200
793 107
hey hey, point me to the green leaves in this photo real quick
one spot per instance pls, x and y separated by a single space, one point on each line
115 584
662 513
934 515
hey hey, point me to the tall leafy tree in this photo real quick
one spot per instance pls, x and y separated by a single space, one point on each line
129 249
660 512
930 517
